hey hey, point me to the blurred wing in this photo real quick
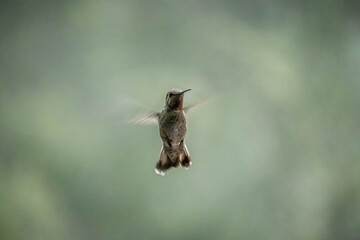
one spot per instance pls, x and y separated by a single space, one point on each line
194 107
190 108
151 118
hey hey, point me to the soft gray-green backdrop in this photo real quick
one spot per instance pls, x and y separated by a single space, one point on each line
276 147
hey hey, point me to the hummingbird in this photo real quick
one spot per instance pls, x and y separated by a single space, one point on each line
172 128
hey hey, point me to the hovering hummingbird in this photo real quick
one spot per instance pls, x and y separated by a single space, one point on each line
172 127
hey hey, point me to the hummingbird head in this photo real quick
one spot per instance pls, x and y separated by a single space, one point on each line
174 98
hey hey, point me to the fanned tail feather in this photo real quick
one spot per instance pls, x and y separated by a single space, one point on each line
185 160
165 162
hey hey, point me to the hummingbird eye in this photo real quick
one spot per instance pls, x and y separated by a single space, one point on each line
170 94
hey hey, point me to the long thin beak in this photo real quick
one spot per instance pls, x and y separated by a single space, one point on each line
185 91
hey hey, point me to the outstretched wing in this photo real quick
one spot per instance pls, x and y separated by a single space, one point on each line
150 118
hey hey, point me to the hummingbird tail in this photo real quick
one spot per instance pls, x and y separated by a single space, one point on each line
185 161
163 164
180 155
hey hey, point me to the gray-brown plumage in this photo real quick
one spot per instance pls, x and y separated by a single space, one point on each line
172 127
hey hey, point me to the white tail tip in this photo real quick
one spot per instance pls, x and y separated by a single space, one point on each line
158 172
187 168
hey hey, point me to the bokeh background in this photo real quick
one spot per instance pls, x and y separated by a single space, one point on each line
275 151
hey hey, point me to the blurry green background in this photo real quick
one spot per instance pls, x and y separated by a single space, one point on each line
275 152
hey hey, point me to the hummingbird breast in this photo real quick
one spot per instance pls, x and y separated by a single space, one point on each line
172 126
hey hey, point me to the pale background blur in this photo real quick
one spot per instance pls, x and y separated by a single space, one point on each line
275 151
